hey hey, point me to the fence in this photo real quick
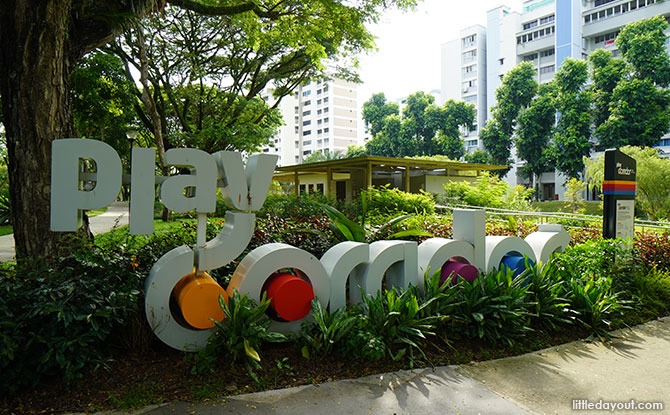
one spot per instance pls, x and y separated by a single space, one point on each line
572 219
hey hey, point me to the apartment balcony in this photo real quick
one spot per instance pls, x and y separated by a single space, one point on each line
605 18
537 44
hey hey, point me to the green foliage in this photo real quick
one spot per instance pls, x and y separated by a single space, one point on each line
574 190
103 100
518 198
595 304
488 191
62 320
479 157
323 156
516 91
424 129
375 111
535 125
381 204
637 83
588 269
355 151
573 128
392 323
327 330
606 72
5 207
388 201
647 289
493 308
292 206
546 296
239 337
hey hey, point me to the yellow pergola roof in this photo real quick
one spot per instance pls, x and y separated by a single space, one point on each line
371 164
384 163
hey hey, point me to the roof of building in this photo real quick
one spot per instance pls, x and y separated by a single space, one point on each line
389 164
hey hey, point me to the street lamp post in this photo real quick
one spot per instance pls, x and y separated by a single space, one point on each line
131 135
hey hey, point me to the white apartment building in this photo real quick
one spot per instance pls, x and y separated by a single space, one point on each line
545 32
464 76
319 116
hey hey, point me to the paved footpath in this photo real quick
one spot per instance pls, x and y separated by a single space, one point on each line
115 216
635 366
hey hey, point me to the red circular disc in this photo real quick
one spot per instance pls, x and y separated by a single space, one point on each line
290 296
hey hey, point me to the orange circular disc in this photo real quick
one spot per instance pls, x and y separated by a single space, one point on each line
198 299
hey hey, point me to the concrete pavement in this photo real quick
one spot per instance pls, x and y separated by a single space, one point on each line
115 216
634 367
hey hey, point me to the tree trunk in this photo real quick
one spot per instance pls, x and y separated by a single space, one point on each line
34 70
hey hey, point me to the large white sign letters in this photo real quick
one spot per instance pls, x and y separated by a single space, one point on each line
363 267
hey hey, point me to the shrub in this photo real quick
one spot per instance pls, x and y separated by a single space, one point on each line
492 308
594 258
392 323
63 320
648 289
291 206
326 331
239 336
546 296
385 201
653 250
595 303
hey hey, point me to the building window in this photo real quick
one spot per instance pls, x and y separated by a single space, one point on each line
502 61
307 143
529 58
607 38
308 102
601 2
306 93
547 19
469 40
308 122
548 52
529 25
307 132
306 113
547 69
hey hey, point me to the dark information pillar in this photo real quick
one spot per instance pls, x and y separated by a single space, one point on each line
619 195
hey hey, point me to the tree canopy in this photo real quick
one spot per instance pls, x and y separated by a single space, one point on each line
42 43
516 91
424 129
637 83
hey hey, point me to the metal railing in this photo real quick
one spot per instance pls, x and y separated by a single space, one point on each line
552 216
